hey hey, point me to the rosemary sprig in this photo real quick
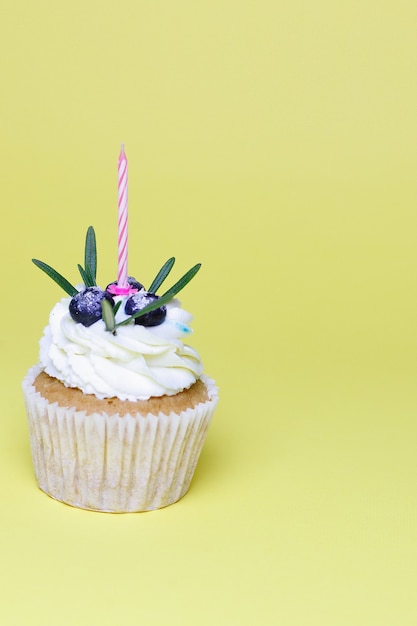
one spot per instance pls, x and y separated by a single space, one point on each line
86 276
89 272
57 277
82 274
117 307
90 277
108 314
166 297
161 275
184 280
90 255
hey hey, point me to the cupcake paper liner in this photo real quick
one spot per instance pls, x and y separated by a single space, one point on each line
111 463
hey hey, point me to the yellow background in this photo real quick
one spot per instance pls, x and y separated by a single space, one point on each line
275 142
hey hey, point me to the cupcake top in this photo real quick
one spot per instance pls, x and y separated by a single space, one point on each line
119 342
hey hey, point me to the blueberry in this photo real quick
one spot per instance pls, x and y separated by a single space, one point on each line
85 306
138 301
132 282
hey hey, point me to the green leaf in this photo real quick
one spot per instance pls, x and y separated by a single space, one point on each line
108 315
161 275
184 280
56 276
168 295
86 276
117 307
83 274
91 280
90 255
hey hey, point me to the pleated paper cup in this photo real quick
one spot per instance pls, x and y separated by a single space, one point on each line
115 463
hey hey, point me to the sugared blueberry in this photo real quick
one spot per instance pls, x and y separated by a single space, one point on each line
138 301
85 306
132 282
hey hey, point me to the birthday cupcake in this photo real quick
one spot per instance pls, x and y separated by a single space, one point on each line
118 407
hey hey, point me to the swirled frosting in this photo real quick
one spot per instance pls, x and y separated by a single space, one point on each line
134 364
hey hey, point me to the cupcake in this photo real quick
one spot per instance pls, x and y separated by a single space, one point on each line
118 406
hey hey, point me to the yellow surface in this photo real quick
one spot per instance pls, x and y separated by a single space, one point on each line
276 143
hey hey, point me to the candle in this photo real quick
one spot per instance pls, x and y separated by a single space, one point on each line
122 221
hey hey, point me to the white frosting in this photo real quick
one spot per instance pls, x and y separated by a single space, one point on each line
134 364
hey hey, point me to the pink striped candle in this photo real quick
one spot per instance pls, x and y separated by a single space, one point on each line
122 221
